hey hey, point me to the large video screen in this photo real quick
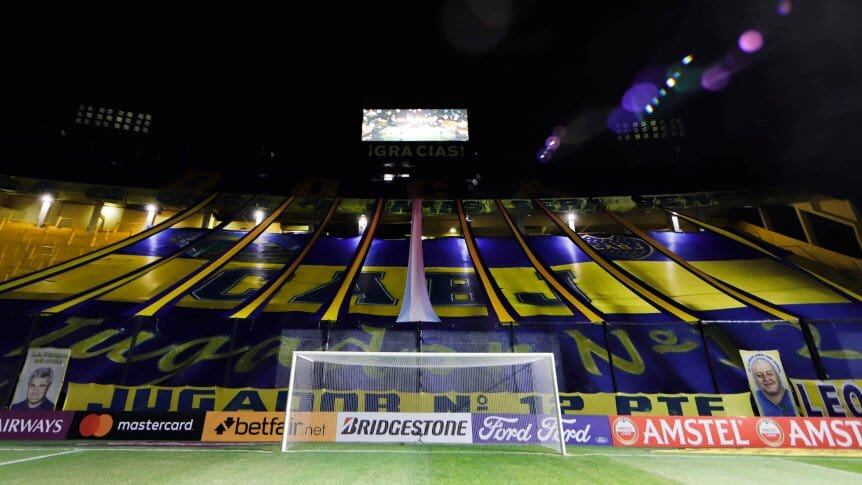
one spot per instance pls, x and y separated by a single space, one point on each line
414 125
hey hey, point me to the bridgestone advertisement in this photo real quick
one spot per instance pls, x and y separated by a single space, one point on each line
137 426
404 428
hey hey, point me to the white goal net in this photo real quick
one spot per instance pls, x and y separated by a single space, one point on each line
423 398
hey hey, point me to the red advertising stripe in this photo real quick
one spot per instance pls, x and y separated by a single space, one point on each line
736 432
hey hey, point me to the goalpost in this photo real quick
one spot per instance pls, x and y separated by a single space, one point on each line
423 398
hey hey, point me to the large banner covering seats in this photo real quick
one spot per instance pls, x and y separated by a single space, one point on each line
726 339
98 337
840 347
179 349
668 358
638 351
186 348
833 398
584 277
530 297
95 397
670 279
759 275
580 354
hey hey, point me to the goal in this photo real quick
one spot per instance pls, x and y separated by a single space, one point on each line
423 398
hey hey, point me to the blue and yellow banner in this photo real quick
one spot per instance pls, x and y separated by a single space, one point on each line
832 398
98 397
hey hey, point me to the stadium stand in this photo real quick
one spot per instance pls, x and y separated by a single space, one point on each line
218 292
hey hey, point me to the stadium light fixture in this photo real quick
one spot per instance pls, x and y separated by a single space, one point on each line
47 200
388 177
116 119
258 217
151 214
675 221
363 223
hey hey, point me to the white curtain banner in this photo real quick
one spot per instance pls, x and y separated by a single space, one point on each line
416 306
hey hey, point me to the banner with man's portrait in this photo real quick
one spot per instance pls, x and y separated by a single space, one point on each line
768 382
41 379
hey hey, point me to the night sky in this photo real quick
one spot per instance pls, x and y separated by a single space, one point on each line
279 93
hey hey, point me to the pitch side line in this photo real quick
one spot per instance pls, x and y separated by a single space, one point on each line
49 455
672 454
154 450
439 452
653 453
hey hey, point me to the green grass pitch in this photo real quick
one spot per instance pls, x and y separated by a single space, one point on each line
101 462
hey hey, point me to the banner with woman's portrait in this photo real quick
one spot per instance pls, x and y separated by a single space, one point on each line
768 382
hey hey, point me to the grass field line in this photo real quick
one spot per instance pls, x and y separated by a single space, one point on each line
143 450
49 455
815 465
671 454
435 452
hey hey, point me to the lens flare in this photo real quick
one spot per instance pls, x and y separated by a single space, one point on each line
750 41
784 7
619 119
552 142
654 75
715 78
638 96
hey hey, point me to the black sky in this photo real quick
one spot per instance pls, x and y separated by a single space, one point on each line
228 86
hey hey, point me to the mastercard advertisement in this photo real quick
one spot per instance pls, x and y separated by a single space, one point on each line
156 426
